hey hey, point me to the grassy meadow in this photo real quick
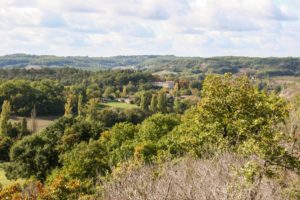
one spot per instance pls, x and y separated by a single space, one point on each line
118 105
41 122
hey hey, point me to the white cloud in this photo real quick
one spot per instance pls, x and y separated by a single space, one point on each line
18 17
183 27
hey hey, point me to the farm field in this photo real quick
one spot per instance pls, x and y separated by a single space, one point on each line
290 84
41 122
119 105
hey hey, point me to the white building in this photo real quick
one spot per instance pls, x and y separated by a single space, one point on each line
166 84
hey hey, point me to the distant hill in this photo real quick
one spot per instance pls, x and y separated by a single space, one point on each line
24 60
271 66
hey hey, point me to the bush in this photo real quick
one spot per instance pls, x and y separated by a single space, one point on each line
5 144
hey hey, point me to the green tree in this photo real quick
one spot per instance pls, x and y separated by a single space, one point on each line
152 135
145 100
153 104
80 105
124 91
108 92
69 106
234 115
5 144
117 94
20 95
85 161
92 108
93 91
119 142
162 102
33 120
81 130
130 87
23 128
33 156
157 126
5 115
180 106
37 155
48 97
176 90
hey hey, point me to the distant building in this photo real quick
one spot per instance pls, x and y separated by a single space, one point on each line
132 67
28 67
164 73
166 84
125 100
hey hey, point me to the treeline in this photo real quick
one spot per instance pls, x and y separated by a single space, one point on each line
66 76
77 154
72 76
47 96
23 60
270 66
48 89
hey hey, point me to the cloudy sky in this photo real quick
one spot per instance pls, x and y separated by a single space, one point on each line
130 27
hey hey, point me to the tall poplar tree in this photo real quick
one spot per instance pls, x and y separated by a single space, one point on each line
162 102
153 104
5 114
92 109
80 106
33 119
69 107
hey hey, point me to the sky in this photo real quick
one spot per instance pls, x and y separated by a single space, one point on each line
202 28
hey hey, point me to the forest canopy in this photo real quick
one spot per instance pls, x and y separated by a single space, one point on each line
82 153
270 66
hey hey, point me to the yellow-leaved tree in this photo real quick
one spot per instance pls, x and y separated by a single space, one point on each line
234 115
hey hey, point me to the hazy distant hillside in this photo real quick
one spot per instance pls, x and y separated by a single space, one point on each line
269 66
23 60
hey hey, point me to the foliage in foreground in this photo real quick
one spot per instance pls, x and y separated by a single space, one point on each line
233 116
190 178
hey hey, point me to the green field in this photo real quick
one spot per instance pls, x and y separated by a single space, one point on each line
41 122
118 105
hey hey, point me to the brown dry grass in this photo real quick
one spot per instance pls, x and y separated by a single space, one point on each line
291 85
193 179
41 122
